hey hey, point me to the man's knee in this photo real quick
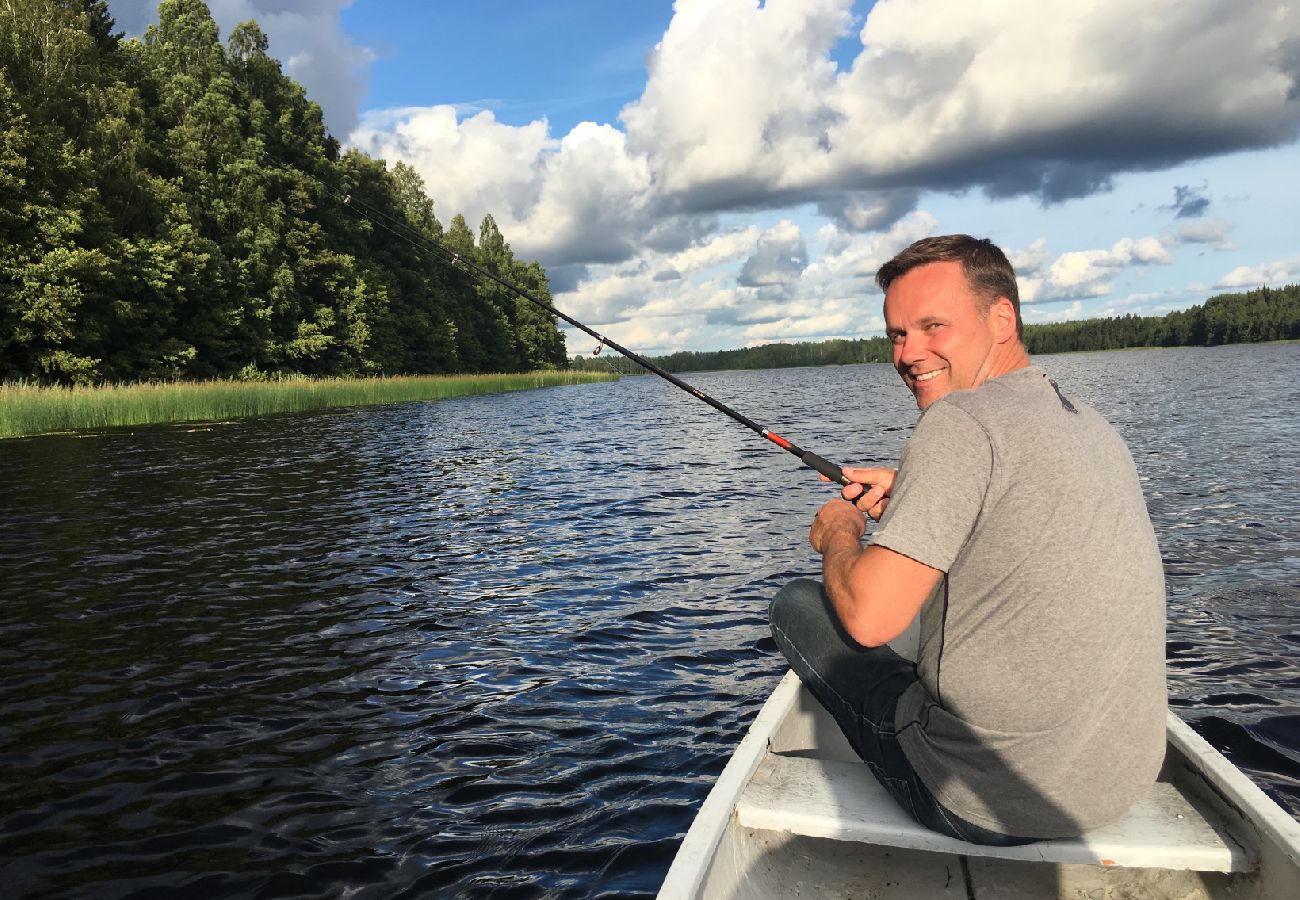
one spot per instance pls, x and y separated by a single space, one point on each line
792 599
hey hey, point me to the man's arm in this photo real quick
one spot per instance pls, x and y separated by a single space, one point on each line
875 591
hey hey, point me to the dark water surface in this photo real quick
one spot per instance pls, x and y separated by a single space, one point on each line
501 646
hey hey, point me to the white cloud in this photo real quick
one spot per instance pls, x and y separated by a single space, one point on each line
1051 98
1086 273
580 199
472 166
619 292
593 197
650 336
709 295
858 256
1276 273
1038 315
807 325
744 107
767 69
1031 258
726 247
778 260
1022 96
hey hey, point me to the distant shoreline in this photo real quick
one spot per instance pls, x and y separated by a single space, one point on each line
1181 347
1262 316
30 410
637 370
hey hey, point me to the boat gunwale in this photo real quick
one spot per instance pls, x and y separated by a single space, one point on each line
1198 760
691 863
1234 789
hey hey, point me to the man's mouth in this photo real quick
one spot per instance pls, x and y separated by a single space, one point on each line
926 376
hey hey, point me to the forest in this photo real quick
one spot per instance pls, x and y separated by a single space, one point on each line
172 207
1265 314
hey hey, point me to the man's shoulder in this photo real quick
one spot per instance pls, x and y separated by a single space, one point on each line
1018 389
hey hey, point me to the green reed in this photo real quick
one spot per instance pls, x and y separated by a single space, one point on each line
29 409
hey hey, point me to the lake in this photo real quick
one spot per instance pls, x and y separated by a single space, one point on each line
501 646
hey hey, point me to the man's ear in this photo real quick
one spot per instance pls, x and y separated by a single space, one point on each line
1004 320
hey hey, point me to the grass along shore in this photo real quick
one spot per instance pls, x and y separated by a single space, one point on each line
28 409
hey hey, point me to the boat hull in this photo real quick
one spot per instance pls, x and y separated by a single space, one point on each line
724 855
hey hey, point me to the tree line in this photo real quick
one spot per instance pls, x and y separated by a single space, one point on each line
172 207
1266 314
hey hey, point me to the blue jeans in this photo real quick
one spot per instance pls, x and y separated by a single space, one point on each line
860 686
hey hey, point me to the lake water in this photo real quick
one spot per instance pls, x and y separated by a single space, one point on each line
501 646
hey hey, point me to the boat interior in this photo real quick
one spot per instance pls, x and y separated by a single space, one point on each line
810 821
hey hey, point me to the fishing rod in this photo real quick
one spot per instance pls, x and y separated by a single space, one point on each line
403 230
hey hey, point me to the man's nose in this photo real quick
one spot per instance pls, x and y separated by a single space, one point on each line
911 349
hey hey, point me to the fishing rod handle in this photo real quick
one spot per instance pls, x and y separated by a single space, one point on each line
825 467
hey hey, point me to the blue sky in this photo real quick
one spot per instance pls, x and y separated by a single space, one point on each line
564 61
719 173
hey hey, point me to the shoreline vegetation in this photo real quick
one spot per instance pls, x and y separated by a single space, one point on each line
28 409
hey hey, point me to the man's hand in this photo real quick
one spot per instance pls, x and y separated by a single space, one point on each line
837 524
870 492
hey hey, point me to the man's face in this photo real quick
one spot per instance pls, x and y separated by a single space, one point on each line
940 343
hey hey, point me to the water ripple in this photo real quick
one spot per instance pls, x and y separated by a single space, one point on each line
501 646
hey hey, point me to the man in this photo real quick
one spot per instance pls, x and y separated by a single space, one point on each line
1015 526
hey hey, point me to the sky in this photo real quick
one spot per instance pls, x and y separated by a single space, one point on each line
713 174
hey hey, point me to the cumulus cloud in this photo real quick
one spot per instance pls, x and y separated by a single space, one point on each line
1038 315
1278 272
305 35
1017 97
833 297
1082 273
778 260
717 249
868 210
676 232
852 259
745 286
1052 99
471 166
579 199
767 68
614 293
808 324
744 107
1029 260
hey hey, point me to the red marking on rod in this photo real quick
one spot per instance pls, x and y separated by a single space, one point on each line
776 439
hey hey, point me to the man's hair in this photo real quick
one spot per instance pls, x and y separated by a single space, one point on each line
987 270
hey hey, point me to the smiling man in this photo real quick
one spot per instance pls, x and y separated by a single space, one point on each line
1016 528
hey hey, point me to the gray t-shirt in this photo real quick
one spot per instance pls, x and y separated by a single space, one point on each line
1040 705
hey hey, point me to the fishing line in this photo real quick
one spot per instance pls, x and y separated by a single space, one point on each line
406 232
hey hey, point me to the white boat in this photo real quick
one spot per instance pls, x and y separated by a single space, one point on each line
795 814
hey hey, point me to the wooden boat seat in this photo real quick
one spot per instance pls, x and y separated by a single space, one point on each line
842 801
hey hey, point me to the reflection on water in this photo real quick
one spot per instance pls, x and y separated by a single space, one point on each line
501 646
